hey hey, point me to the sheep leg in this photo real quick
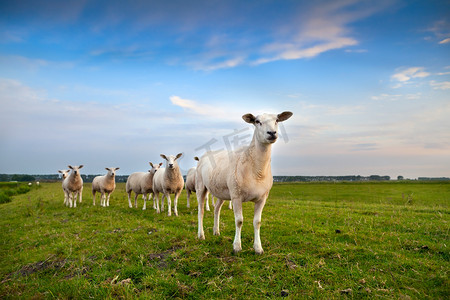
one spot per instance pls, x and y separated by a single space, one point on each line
201 194
75 199
217 209
156 196
144 196
80 194
107 203
175 203
239 221
70 199
93 197
169 204
257 225
162 202
230 205
155 199
207 201
188 192
135 200
129 200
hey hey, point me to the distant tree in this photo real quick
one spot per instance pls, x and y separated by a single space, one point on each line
399 177
17 177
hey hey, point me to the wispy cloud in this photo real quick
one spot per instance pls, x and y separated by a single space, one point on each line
410 73
444 85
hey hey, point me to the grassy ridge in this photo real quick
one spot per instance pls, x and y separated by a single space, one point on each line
321 240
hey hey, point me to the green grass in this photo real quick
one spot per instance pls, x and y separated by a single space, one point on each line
321 240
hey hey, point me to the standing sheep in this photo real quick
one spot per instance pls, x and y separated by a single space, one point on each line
190 187
141 183
105 184
64 174
241 176
169 181
73 185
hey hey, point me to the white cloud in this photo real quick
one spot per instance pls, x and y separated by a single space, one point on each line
444 85
408 74
445 41
396 97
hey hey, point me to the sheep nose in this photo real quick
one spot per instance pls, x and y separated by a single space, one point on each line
170 165
272 133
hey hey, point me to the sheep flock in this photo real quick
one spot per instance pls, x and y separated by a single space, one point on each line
243 175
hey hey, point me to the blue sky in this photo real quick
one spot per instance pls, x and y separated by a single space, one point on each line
116 83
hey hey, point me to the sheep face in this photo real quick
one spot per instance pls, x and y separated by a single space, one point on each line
171 160
64 173
266 125
112 171
75 169
154 168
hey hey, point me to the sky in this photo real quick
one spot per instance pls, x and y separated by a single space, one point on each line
117 83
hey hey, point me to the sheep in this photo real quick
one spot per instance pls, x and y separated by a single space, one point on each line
73 185
105 185
141 183
190 187
169 181
64 174
240 176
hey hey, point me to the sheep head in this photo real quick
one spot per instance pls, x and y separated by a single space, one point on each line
64 173
75 169
154 167
171 160
266 125
112 171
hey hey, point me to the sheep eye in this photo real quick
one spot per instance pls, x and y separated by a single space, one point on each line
258 122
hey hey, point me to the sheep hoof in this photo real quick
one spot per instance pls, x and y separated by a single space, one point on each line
201 236
237 248
259 251
143 208
217 232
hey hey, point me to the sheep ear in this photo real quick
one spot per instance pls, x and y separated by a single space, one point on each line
117 168
151 165
160 164
163 156
284 116
59 171
107 169
196 158
178 155
70 167
249 118
80 166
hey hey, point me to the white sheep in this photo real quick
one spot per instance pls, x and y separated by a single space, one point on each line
105 184
73 186
190 188
240 176
169 181
141 183
64 174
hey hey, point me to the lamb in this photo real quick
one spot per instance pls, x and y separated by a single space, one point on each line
73 185
142 183
169 181
64 174
241 176
105 185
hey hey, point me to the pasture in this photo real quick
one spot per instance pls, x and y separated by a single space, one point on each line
321 240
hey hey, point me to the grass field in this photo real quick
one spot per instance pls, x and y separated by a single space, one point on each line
321 240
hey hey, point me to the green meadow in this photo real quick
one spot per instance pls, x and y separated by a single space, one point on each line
321 240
